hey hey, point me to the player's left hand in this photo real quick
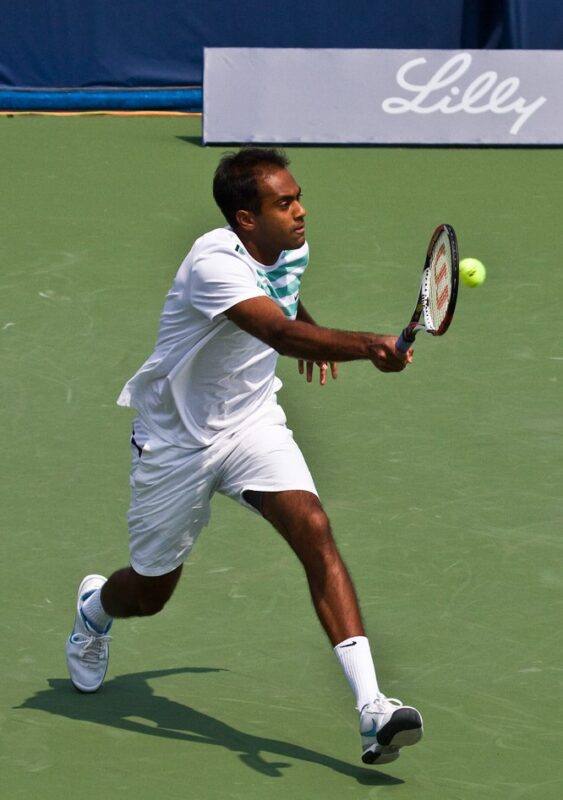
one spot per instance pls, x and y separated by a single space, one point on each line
322 365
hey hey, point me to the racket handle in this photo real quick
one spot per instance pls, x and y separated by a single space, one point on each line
403 343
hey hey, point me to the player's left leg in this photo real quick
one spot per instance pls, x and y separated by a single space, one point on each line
267 472
302 521
386 724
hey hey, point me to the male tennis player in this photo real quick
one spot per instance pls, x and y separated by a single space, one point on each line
208 420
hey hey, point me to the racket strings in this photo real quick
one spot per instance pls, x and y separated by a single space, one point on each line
438 287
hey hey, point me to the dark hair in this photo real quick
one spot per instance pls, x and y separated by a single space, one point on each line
235 186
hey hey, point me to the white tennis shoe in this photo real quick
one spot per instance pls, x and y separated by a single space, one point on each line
87 651
386 725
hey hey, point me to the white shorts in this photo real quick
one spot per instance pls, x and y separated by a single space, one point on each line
171 487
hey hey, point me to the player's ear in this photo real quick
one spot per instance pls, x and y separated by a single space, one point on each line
246 220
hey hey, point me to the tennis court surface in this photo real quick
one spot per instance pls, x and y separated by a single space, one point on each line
233 691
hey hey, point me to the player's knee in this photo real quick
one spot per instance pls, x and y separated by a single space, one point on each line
318 525
152 593
318 535
153 599
151 605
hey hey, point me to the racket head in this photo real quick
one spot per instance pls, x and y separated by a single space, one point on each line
440 278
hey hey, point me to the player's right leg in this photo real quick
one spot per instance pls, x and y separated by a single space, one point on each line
87 650
124 594
171 488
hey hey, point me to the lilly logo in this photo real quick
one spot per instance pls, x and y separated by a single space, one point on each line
472 101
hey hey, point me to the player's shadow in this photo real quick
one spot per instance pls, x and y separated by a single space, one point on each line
127 699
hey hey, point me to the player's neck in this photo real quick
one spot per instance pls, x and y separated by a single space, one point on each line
261 253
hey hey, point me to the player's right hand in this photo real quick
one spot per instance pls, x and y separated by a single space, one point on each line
384 355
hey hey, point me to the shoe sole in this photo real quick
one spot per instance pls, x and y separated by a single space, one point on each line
85 689
384 754
379 756
406 738
403 730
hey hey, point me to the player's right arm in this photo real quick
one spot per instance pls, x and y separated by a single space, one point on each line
262 318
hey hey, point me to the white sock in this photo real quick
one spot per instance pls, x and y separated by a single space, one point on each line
355 659
93 610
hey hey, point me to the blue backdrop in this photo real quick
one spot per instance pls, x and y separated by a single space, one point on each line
54 44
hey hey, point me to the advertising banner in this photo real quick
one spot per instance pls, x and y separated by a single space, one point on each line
326 96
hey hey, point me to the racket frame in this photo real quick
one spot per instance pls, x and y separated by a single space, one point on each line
408 335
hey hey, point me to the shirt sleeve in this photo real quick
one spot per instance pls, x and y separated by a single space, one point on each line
219 281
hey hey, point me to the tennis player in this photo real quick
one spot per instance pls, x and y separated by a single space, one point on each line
208 420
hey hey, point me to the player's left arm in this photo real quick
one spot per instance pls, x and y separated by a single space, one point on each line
304 316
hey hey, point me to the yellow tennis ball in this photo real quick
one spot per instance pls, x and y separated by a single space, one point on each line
472 271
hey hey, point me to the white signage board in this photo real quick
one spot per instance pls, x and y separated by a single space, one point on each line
287 95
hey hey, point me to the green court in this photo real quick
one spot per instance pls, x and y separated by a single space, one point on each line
443 483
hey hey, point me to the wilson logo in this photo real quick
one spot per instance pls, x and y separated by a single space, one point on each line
441 94
440 275
441 252
442 297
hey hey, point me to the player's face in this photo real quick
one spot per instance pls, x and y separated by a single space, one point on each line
281 221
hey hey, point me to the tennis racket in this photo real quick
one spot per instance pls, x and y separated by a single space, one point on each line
438 289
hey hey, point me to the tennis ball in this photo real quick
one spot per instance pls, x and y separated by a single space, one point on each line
472 271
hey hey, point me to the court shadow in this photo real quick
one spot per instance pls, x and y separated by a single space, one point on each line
127 700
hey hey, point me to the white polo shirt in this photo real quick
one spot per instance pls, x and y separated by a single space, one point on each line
206 377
